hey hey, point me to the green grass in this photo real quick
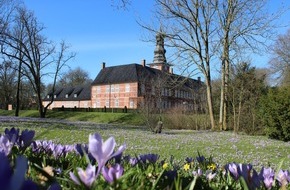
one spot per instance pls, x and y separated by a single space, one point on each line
223 146
96 117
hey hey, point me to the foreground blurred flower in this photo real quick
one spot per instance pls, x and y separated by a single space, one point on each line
14 180
283 177
267 176
87 176
103 151
5 145
112 173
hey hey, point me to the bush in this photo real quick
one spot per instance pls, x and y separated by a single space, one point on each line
274 112
176 119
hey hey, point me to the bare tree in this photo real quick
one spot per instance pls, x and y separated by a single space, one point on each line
280 61
7 83
189 27
243 25
37 53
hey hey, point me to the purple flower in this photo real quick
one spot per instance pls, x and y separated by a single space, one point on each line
26 138
103 151
250 175
87 176
233 169
200 159
210 175
151 158
283 177
267 176
12 134
189 159
5 144
14 180
112 173
133 161
197 173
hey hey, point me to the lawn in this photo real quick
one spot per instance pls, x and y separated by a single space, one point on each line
223 146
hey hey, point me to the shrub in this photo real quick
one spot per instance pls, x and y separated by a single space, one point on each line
274 112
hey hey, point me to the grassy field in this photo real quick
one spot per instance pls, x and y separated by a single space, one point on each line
96 117
223 146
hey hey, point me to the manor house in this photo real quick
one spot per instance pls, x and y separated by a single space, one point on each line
133 86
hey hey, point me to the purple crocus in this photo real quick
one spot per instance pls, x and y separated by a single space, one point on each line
250 175
14 180
233 169
197 173
150 158
12 134
87 176
283 177
267 176
5 144
210 175
103 151
112 173
26 138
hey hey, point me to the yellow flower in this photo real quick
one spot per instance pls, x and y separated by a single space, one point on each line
186 167
165 165
212 166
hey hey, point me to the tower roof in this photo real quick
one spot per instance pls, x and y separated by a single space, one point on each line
159 52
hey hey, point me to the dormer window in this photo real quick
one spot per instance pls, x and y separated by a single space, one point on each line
55 96
75 95
66 96
48 96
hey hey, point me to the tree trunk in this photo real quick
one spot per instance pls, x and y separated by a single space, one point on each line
222 98
18 90
209 102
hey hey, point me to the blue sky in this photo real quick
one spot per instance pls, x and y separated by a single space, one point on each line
99 32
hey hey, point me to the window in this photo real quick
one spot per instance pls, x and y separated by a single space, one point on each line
108 88
66 96
48 96
112 88
98 89
117 103
75 95
131 104
55 96
107 103
127 88
98 104
117 87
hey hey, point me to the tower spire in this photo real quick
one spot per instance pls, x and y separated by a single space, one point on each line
159 52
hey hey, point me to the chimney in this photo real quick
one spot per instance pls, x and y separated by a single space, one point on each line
198 78
171 70
103 65
143 62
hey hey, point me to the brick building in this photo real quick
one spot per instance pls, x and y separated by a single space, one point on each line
133 86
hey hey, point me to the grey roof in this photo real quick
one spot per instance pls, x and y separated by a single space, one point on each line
135 73
83 92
